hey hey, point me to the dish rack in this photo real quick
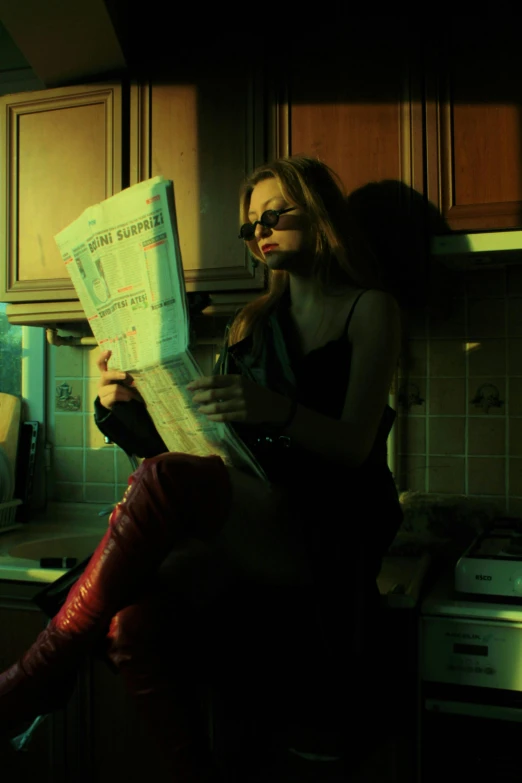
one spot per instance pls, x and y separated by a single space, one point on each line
7 515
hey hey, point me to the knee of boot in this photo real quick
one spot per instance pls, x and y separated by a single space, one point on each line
173 484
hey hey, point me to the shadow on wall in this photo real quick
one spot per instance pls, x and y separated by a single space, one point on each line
398 224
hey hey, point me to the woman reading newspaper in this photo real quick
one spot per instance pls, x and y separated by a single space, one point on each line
304 379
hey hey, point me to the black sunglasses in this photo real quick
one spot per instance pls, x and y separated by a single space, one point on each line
268 219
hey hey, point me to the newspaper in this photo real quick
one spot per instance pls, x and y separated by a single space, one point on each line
124 260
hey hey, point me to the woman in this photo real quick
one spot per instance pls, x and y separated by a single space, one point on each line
304 378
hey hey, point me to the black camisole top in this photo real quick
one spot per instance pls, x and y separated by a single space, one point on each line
319 380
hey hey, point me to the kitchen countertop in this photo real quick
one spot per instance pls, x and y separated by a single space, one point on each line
57 521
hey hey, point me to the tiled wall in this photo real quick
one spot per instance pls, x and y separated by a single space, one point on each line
460 394
459 427
83 467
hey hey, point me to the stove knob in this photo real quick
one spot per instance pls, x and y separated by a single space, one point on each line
517 585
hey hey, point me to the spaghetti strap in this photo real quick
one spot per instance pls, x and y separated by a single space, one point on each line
347 324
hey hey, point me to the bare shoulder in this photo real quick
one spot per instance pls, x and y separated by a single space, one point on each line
375 298
376 310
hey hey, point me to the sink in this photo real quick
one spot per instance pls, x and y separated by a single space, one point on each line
79 546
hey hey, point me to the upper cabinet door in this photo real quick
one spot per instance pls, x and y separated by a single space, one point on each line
61 153
356 107
474 123
205 133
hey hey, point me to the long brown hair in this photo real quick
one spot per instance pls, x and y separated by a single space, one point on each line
342 255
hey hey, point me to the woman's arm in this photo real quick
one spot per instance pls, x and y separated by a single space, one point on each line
129 425
375 335
121 415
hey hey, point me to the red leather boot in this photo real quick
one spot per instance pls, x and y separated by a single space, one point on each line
170 498
153 645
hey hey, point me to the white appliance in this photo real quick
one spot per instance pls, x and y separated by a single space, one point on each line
492 565
470 688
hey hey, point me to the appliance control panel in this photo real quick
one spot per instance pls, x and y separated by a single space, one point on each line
479 653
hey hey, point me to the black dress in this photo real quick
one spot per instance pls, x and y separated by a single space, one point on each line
366 495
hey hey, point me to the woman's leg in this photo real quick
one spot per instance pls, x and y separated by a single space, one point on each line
261 539
171 498
151 644
157 644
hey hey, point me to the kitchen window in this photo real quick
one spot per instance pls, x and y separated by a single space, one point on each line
22 373
10 355
22 365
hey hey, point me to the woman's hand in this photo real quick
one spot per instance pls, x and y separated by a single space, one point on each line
235 398
114 386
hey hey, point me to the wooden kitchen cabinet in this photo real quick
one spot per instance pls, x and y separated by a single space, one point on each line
205 132
439 111
357 106
473 125
69 144
62 151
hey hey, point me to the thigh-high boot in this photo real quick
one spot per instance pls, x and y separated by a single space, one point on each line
170 498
